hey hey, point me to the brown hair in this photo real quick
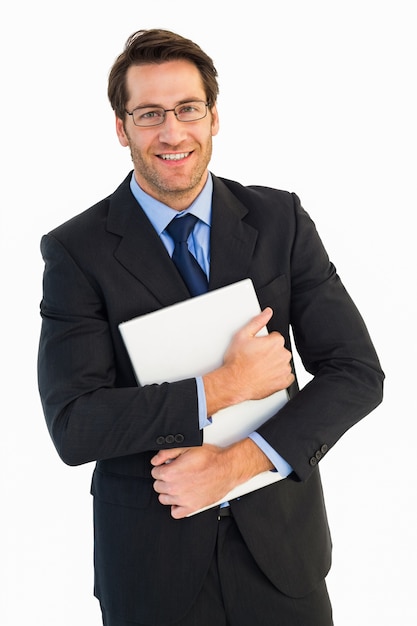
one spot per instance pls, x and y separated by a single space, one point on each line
158 46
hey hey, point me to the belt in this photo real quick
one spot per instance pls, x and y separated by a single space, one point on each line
224 511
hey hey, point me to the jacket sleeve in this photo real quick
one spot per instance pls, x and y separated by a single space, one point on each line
89 415
335 347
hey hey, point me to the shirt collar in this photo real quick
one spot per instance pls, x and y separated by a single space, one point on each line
160 214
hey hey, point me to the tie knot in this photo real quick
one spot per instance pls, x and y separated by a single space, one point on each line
180 227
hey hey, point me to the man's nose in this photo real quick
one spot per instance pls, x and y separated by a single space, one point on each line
171 130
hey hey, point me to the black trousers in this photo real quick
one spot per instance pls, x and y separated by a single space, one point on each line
237 593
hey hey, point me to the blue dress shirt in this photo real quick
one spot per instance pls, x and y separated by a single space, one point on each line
160 215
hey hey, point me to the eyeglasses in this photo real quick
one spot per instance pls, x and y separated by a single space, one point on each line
184 112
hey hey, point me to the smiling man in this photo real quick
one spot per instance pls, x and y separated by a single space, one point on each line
170 158
173 230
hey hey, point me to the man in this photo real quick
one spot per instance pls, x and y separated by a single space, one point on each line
262 559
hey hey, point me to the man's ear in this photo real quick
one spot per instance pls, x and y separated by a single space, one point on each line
120 130
215 124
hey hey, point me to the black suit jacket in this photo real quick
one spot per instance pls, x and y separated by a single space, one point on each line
107 265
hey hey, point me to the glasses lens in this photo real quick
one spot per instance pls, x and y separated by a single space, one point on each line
191 111
148 116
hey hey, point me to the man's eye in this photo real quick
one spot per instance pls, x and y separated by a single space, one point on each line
151 114
187 108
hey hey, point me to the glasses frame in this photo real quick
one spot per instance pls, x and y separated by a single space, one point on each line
131 113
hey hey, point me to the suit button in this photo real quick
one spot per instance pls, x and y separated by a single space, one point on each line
160 440
318 455
169 439
324 448
179 438
313 461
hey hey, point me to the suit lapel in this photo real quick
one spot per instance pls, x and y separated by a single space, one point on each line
232 240
143 254
140 250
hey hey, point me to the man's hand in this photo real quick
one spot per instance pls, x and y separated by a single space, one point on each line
188 479
253 367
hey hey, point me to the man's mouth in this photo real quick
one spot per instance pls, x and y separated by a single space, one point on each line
174 157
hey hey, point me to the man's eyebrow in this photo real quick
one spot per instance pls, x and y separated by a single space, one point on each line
160 106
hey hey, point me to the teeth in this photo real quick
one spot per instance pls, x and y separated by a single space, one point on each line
174 157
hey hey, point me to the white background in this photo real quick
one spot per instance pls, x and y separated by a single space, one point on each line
338 80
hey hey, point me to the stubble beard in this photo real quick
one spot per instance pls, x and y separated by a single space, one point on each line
172 191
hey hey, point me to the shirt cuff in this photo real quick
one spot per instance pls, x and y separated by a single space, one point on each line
280 464
203 420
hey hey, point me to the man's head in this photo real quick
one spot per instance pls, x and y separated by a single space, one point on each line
158 46
163 89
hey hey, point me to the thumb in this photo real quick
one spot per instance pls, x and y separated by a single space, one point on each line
258 322
167 455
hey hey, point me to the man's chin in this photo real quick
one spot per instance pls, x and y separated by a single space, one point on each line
175 187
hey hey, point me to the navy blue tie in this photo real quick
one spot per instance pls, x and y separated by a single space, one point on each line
194 277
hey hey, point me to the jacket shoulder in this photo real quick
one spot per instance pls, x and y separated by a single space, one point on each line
253 194
95 216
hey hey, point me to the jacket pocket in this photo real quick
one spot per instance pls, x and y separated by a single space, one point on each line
273 290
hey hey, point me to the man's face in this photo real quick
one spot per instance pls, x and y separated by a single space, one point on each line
170 160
